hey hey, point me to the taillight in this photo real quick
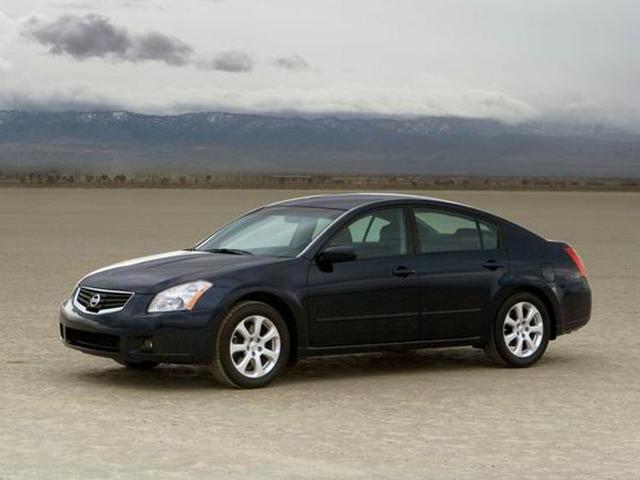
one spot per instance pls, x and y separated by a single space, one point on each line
577 261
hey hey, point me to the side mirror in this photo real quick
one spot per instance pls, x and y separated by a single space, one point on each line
337 254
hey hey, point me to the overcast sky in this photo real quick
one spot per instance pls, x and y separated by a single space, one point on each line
506 59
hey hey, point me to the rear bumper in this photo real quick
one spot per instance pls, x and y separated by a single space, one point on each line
181 337
575 305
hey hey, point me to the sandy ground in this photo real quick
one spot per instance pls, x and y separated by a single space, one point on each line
445 414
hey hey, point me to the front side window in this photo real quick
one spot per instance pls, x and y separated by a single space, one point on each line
447 232
273 231
382 233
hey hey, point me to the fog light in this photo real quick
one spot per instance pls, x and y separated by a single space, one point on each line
147 345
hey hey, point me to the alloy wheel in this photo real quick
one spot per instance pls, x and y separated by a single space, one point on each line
255 346
523 329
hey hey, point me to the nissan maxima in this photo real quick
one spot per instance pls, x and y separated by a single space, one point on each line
333 274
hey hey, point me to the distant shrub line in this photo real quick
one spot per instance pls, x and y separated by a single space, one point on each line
268 180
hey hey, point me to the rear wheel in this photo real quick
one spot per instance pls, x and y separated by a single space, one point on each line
251 347
520 331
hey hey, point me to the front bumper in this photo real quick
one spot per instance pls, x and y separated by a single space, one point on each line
176 337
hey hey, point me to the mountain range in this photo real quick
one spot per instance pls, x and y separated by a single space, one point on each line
127 142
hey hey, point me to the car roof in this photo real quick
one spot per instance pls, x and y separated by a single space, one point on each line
348 201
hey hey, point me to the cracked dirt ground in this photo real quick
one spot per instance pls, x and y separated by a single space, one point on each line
441 414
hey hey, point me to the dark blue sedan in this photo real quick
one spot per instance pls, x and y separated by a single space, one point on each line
333 274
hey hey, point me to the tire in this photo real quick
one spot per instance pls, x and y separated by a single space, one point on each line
146 365
514 340
250 366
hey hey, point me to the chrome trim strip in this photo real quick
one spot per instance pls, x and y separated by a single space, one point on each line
77 305
409 196
364 318
451 312
306 197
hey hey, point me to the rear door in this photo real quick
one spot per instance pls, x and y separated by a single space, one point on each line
373 299
461 264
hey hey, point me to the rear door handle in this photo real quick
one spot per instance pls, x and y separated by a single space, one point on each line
492 265
404 271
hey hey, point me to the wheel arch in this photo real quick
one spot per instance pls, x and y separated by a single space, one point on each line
545 296
288 314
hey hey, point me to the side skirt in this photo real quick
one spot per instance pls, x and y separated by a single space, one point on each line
376 347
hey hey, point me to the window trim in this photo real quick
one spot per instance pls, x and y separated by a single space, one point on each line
411 212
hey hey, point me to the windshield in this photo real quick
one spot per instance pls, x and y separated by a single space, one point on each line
273 231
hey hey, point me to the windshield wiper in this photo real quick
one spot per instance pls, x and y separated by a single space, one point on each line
230 251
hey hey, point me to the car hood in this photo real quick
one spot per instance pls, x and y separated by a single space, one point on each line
157 272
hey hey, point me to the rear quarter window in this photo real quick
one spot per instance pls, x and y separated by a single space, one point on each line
489 234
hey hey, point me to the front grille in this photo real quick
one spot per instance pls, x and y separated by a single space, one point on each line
92 340
95 300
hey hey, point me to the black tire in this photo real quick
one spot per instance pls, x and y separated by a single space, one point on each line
223 368
146 365
496 347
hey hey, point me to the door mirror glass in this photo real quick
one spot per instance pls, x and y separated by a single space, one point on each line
337 254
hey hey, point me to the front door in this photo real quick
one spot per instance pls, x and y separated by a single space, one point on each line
370 300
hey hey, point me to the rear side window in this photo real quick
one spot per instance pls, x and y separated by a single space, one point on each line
440 231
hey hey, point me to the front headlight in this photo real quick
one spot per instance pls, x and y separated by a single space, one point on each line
180 297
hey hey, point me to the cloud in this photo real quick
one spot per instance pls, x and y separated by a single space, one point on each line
5 65
158 47
7 33
94 36
77 98
294 63
80 37
231 61
345 99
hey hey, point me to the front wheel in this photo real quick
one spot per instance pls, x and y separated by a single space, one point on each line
251 347
520 332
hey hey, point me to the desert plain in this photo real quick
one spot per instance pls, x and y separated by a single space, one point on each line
431 414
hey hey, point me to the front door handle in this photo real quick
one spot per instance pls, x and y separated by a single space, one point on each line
404 271
492 265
